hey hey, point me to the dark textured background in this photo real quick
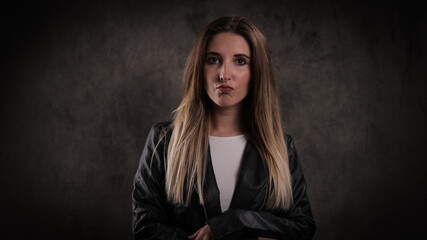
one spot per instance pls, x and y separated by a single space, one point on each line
82 84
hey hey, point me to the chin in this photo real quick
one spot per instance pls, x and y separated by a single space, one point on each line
225 104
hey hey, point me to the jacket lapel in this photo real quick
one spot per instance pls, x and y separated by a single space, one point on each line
253 178
211 191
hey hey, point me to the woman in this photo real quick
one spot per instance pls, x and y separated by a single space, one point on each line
223 168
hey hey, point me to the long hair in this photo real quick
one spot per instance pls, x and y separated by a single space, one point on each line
188 147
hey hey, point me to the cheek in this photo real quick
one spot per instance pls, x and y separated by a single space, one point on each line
207 74
246 79
206 77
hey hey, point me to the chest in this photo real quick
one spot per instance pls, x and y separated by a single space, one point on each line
250 192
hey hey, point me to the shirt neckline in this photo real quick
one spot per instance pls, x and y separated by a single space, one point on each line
230 137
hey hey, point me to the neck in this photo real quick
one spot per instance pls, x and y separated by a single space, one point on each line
226 122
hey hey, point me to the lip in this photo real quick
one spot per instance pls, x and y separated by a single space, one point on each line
224 88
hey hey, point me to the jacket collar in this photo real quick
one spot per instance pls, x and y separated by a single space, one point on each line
253 176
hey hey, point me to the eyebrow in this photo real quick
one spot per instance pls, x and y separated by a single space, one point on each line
236 55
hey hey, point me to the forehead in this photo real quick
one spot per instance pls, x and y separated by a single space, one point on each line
228 43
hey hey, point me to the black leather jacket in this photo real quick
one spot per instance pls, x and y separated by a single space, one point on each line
247 218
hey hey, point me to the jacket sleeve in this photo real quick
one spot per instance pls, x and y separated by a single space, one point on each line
296 223
150 218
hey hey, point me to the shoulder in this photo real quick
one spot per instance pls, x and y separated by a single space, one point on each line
161 126
158 129
157 136
289 143
153 154
292 153
288 138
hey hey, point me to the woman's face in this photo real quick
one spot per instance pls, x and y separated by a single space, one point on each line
227 70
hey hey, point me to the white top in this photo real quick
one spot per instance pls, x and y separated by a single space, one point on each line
226 155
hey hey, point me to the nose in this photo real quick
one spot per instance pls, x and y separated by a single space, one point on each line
224 73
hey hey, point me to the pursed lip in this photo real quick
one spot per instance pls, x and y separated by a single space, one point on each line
224 87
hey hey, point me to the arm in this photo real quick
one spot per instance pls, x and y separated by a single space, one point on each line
297 223
150 220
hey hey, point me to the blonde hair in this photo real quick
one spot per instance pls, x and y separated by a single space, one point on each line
188 147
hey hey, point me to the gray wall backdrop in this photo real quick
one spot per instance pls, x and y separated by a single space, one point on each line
82 83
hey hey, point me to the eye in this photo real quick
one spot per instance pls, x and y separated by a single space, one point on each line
213 60
240 61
